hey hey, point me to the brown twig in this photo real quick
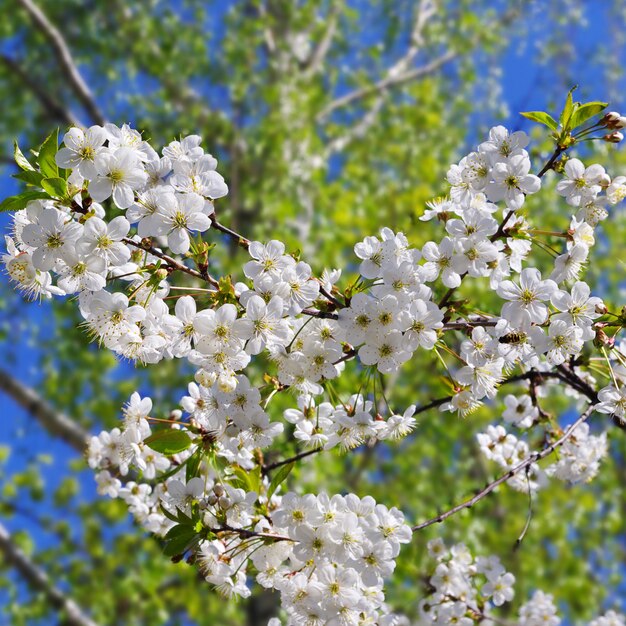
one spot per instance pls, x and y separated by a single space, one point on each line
485 491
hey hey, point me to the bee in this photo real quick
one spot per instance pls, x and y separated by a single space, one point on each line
514 337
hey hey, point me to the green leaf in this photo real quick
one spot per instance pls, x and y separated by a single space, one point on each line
279 477
56 187
17 203
47 152
541 117
169 441
169 515
179 539
20 159
586 111
193 463
30 177
568 109
241 479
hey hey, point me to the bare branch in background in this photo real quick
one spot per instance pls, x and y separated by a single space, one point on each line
533 458
65 59
399 72
318 55
39 581
52 107
55 422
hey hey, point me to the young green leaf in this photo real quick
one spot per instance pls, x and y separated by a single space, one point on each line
541 117
47 152
193 463
279 477
20 159
17 203
56 187
568 110
30 177
585 112
179 539
169 441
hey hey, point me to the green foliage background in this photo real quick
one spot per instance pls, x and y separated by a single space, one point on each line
232 72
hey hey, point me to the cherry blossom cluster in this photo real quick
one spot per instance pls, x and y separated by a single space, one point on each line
327 556
117 222
468 590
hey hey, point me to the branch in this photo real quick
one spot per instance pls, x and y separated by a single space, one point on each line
531 375
318 55
172 262
40 581
242 241
533 458
388 82
55 422
65 59
52 107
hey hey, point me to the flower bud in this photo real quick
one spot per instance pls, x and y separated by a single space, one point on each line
161 274
176 415
225 502
605 181
204 378
610 118
614 137
226 383
212 499
218 490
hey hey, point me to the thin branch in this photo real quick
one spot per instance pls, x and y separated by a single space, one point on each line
316 60
242 241
172 262
388 82
270 466
249 534
533 458
65 59
40 581
397 73
49 103
55 422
